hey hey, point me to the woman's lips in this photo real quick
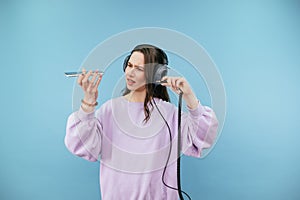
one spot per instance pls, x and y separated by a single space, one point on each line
130 82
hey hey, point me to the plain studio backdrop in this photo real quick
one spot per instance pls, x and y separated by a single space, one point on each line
254 44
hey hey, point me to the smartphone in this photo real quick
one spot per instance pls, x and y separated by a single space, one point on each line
76 74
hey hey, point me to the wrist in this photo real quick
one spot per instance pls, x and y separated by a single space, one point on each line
191 101
87 106
89 100
87 109
87 103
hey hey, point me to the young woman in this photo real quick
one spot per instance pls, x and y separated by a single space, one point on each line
135 135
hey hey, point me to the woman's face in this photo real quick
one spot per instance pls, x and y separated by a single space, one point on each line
135 72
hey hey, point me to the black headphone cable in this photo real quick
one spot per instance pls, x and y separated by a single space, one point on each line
178 149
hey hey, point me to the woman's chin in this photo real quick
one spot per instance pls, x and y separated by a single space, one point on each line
129 87
135 88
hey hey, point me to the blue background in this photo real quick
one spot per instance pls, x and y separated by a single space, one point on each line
255 45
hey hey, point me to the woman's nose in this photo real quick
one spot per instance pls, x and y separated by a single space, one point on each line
131 71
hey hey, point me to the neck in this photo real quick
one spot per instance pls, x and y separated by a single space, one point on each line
136 96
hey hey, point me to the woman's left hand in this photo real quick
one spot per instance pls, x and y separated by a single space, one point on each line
180 84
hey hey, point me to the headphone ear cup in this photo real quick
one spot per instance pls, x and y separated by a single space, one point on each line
161 71
125 63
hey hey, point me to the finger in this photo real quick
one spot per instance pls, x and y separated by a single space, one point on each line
81 76
175 90
94 76
165 81
173 82
79 79
99 80
179 82
164 78
83 72
86 82
86 77
95 87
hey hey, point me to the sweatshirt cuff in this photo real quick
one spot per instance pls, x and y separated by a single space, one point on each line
199 110
82 115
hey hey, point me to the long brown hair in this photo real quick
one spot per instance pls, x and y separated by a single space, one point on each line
153 57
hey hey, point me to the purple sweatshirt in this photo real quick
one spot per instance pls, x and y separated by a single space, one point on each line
133 153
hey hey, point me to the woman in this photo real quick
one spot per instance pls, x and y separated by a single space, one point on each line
131 134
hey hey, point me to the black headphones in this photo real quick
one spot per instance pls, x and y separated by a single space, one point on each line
160 69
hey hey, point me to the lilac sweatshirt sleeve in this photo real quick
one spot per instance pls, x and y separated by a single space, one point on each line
83 135
199 130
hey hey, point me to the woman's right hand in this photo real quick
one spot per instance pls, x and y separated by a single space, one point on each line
89 82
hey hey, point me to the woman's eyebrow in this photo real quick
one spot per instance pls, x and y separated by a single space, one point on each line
139 66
